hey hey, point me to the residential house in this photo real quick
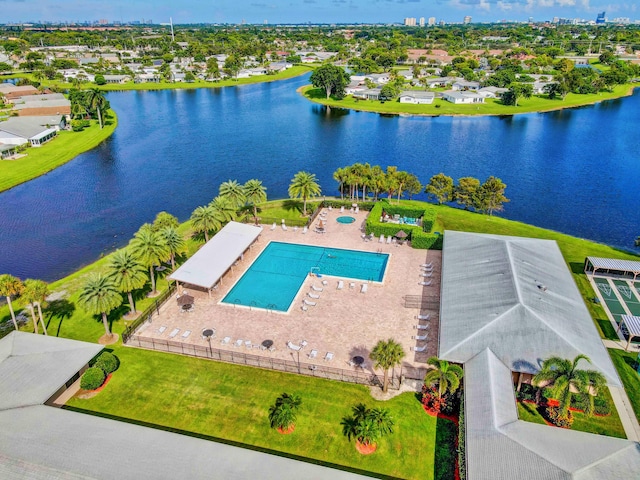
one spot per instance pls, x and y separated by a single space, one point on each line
116 78
464 85
379 78
147 78
11 92
459 97
417 97
492 92
34 130
35 105
441 81
368 94
7 151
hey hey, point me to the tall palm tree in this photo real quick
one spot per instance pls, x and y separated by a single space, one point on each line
128 274
444 374
35 292
282 415
99 296
232 191
96 101
305 185
224 210
255 193
340 176
10 286
174 241
150 249
387 354
566 378
203 220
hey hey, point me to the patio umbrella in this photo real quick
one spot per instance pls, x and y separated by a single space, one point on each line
401 234
185 300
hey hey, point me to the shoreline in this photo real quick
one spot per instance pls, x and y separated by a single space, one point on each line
628 91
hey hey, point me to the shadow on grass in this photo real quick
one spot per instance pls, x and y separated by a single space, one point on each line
61 309
232 443
292 205
445 451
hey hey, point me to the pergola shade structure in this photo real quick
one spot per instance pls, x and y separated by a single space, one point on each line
632 325
629 269
208 265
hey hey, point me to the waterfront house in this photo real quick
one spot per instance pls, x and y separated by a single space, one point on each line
35 130
492 92
11 92
114 79
418 98
458 97
368 94
464 85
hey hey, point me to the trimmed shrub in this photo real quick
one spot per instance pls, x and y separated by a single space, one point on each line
462 461
558 419
366 205
92 378
425 241
107 362
581 401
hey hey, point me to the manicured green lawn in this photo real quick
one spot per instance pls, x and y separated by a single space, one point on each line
626 363
609 425
65 147
231 402
490 107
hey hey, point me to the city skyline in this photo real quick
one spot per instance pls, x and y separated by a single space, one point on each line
314 11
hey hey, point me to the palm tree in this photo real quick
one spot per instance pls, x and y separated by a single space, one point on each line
232 191
282 415
10 286
96 101
387 355
447 376
566 378
255 193
35 292
128 274
340 176
150 248
174 241
224 210
367 425
99 296
203 220
305 185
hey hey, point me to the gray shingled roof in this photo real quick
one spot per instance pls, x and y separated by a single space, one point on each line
500 446
515 296
28 127
33 367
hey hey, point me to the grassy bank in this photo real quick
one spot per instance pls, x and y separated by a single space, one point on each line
62 149
626 363
537 103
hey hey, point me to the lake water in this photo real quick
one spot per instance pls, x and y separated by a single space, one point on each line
576 171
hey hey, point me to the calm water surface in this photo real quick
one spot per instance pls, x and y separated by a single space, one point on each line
576 171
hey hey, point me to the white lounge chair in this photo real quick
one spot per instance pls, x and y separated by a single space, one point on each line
330 208
421 327
284 227
425 284
328 357
364 288
162 329
325 282
352 284
419 349
304 308
313 295
342 209
186 333
424 317
389 239
238 343
420 337
305 230
297 348
316 289
340 285
295 229
357 210
381 239
303 343
273 227
427 265
313 354
311 304
225 341
174 332
248 344
427 269
425 275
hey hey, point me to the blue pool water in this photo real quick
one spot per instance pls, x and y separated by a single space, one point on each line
274 278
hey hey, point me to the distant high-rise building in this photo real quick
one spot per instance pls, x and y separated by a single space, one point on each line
422 21
467 20
601 19
410 22
555 20
432 21
530 19
103 21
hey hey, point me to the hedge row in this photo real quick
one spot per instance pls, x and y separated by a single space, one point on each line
462 462
426 241
348 204
420 238
403 211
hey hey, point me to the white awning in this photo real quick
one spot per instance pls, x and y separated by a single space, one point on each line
209 264
633 324
614 264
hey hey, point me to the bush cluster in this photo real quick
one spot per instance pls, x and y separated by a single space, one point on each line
93 378
556 417
107 362
420 236
581 401
79 125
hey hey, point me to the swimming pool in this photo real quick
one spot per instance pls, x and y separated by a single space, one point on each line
275 277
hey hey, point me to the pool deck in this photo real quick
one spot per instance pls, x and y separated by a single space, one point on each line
345 322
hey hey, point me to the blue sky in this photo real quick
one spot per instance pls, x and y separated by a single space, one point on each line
315 11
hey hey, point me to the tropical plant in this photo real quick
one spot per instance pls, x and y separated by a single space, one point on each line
282 414
367 425
175 243
107 362
128 274
96 101
165 219
203 220
566 378
92 378
150 249
99 296
305 185
385 355
9 287
445 375
232 191
35 292
224 210
255 193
